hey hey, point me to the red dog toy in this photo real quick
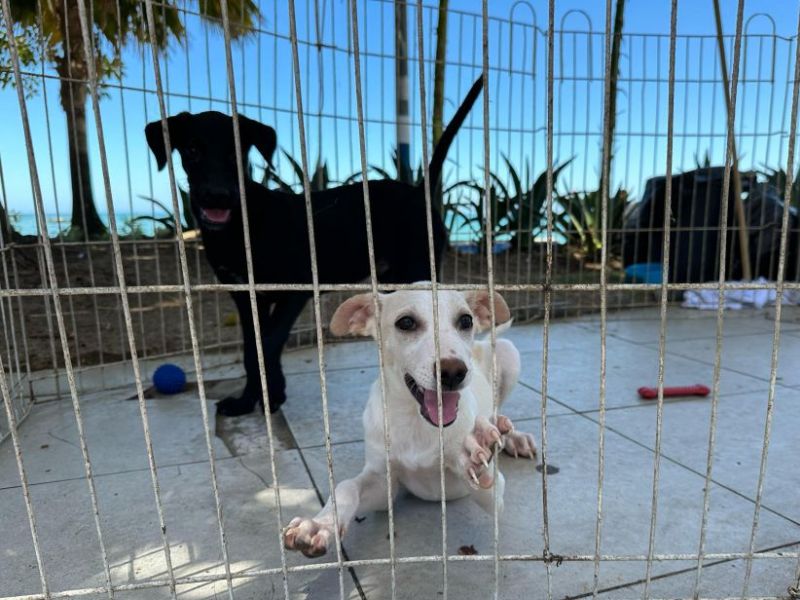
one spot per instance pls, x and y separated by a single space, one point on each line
651 393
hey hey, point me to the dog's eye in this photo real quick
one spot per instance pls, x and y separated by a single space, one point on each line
465 322
406 324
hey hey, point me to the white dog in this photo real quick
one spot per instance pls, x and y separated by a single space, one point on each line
470 434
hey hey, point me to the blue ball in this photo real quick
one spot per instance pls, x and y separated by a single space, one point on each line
169 379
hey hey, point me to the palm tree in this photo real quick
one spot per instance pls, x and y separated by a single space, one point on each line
50 31
616 44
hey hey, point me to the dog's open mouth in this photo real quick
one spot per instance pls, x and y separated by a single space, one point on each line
216 216
428 406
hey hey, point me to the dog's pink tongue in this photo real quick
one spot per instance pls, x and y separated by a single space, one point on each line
449 406
217 215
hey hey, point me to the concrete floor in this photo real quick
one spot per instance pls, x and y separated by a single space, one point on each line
132 538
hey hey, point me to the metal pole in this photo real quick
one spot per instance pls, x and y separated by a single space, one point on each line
401 91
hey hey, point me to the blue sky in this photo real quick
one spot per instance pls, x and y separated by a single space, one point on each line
196 79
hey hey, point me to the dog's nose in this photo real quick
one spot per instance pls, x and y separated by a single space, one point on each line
453 373
215 191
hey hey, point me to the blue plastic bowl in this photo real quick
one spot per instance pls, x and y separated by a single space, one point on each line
643 273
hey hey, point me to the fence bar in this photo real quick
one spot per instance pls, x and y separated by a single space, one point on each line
58 212
316 290
123 296
6 258
393 287
23 477
776 336
129 182
53 281
184 269
662 334
160 296
730 164
412 560
490 275
248 253
608 108
373 278
551 240
81 189
428 189
548 290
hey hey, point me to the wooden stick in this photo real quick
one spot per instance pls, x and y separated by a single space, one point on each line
744 241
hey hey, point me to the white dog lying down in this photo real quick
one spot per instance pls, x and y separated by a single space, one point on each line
470 434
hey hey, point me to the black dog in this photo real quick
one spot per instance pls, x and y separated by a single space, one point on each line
279 233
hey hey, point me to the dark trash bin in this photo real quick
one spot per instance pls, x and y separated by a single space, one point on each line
695 227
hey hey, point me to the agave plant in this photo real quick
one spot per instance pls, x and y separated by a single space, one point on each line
167 221
579 220
777 178
320 180
401 174
517 211
447 209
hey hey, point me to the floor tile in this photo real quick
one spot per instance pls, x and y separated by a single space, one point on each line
114 436
574 373
750 355
131 532
687 325
738 441
572 500
770 577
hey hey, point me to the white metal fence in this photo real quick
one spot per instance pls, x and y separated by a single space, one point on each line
552 60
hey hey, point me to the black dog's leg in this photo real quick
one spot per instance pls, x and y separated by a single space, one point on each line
274 337
233 406
275 329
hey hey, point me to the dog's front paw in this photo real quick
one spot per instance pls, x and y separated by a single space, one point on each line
308 536
519 443
233 406
479 448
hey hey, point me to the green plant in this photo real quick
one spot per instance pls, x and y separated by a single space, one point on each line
705 163
319 181
777 178
167 222
413 177
517 212
579 221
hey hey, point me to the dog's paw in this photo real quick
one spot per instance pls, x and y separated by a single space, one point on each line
233 406
479 448
308 536
520 443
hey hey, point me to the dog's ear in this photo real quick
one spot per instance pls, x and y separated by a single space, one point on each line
176 126
263 137
480 304
355 316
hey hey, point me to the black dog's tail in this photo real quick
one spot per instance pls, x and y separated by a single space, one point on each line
440 152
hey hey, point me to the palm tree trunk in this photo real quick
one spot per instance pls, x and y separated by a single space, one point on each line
73 71
438 92
438 72
7 233
84 212
616 43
